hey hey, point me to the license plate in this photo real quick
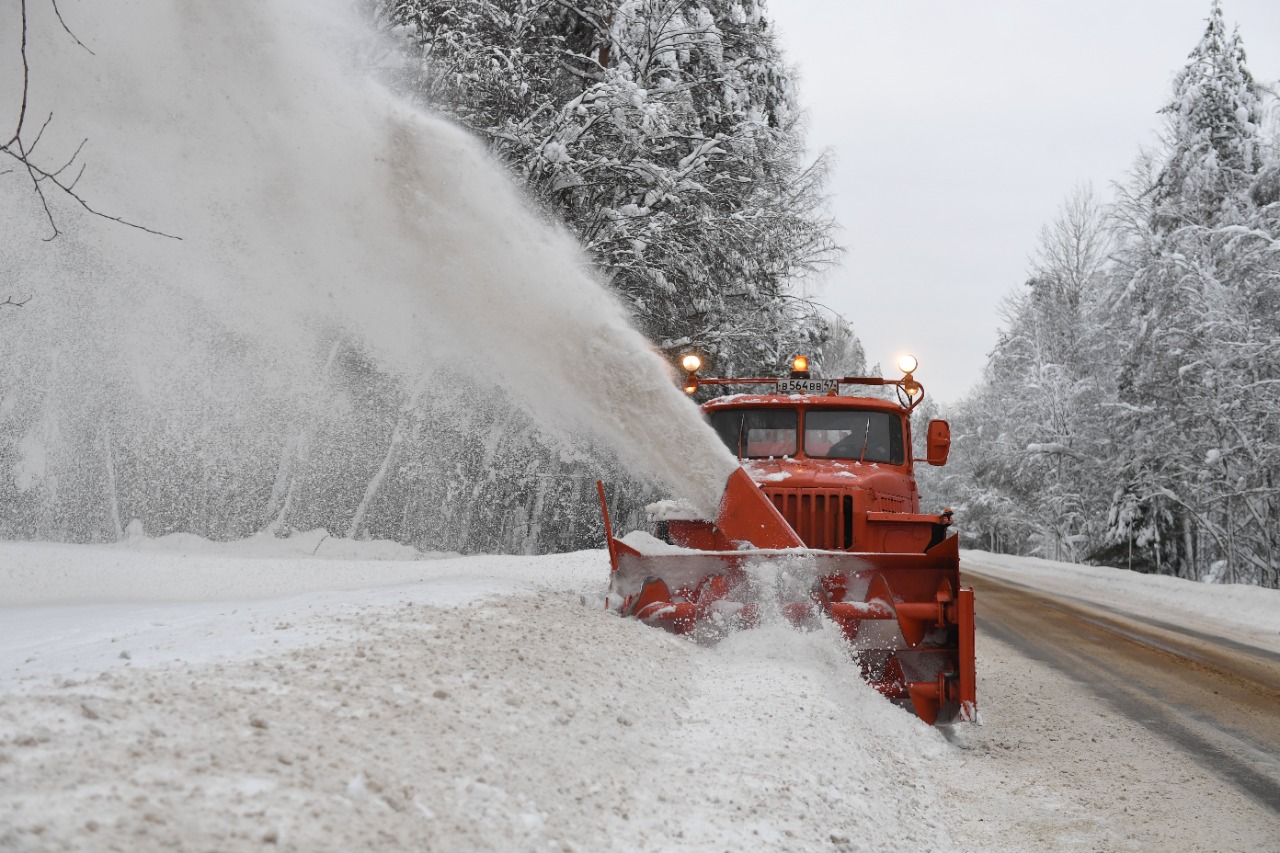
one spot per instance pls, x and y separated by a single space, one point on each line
807 386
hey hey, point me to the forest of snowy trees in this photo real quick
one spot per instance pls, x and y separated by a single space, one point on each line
1130 412
663 134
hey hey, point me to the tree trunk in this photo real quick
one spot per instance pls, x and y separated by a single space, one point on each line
113 498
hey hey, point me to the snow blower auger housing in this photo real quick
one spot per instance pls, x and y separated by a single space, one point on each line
824 505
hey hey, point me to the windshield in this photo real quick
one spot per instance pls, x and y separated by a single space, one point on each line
757 433
848 434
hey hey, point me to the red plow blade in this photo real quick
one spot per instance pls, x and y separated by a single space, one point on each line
909 625
906 618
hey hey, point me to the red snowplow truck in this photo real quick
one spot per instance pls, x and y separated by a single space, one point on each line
821 519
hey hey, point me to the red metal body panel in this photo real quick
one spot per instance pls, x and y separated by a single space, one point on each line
747 516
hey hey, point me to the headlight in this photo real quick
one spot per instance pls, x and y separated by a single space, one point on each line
691 363
907 363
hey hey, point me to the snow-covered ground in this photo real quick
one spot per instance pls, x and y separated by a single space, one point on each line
1239 612
313 693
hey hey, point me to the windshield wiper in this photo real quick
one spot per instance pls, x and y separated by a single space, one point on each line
866 436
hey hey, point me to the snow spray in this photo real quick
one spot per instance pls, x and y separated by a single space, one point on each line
308 199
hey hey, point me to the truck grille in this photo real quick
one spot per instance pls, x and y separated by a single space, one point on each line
823 518
890 503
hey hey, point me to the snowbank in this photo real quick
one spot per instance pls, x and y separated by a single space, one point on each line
429 714
75 611
1242 612
184 567
297 545
254 696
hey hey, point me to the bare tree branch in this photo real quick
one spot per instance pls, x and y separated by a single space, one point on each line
58 12
23 152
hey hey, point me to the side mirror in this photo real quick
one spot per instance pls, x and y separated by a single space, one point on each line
938 444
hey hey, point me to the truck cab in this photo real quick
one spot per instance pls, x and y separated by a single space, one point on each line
838 468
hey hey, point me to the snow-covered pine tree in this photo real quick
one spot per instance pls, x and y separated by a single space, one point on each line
663 133
1211 134
1189 274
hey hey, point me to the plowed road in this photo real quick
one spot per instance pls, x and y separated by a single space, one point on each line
1215 701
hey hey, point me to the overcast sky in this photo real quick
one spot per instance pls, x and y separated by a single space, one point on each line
960 128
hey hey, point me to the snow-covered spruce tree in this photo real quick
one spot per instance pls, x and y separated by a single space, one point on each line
663 134
1196 425
1196 279
1211 133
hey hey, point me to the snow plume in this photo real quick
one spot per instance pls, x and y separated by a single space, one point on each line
344 261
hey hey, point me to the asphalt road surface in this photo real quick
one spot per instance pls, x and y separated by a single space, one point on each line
1214 700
